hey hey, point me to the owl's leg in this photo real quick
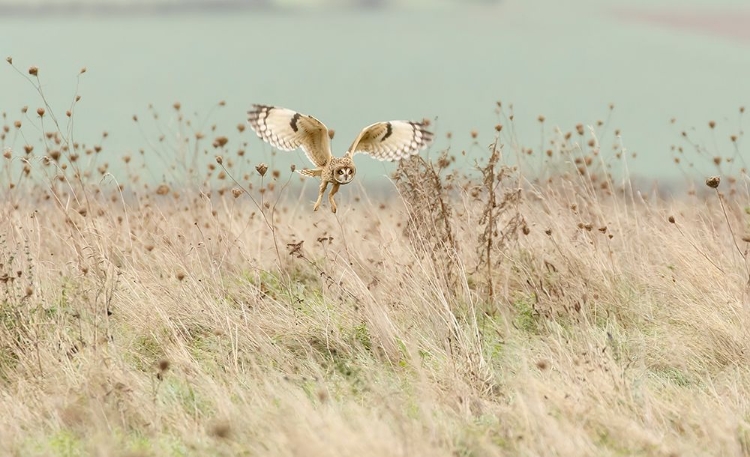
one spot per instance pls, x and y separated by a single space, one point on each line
321 191
334 189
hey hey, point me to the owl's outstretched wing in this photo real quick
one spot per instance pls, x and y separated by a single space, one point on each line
393 140
288 130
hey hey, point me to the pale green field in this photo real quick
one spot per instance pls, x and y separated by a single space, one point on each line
565 60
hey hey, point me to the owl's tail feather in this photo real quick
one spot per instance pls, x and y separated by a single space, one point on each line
309 172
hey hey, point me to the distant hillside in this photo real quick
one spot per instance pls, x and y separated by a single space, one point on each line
55 7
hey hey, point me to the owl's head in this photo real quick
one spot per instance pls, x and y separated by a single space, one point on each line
344 174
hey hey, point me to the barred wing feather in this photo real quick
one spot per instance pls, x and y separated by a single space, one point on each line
288 130
392 140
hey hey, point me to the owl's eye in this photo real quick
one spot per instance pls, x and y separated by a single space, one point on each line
341 172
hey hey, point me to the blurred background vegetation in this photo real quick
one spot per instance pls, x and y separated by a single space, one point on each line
667 67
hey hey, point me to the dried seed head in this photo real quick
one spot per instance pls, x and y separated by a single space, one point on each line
221 430
331 133
671 220
746 238
180 276
9 60
541 118
236 192
163 365
241 127
499 127
293 167
261 169
163 189
713 182
219 160
474 133
711 124
542 365
579 129
33 71
40 112
176 106
717 160
220 141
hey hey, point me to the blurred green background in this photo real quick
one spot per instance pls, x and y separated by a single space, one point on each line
352 64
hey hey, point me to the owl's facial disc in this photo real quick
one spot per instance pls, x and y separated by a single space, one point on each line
344 175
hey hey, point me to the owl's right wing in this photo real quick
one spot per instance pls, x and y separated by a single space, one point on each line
288 130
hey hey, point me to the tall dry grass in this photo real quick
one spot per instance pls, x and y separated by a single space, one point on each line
546 308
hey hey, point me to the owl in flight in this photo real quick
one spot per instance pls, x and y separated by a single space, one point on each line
287 130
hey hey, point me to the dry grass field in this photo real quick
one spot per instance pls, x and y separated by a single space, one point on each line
525 310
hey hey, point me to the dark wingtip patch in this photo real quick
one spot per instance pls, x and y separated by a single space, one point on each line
293 122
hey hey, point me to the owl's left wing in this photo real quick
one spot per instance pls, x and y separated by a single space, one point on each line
393 140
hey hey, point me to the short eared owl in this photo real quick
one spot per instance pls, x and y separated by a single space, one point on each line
288 130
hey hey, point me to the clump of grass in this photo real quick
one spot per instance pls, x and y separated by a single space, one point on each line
424 187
